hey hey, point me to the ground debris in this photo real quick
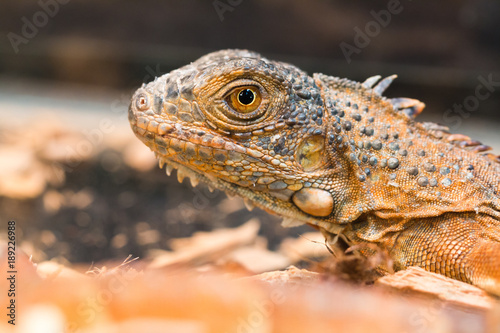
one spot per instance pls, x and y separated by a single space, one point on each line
417 281
204 247
308 245
292 300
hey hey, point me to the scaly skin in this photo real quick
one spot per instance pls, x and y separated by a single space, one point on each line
331 153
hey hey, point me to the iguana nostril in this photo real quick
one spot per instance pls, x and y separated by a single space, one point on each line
142 102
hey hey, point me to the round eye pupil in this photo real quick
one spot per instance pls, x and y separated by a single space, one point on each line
246 97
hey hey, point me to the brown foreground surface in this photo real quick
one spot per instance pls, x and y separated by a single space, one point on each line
219 294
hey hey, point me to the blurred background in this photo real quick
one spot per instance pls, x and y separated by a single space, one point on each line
83 189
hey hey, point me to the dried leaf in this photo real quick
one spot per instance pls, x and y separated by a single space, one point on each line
205 247
310 245
416 280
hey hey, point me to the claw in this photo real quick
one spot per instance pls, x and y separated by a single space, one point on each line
161 163
211 189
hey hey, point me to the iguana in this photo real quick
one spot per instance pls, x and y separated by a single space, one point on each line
332 153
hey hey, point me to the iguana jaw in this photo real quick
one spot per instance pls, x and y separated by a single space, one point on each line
205 156
172 157
275 158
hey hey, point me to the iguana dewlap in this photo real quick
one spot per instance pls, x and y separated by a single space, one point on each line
332 153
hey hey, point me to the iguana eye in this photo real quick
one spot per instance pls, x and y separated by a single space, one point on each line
244 99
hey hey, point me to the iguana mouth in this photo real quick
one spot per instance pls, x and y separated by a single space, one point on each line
206 157
204 150
170 150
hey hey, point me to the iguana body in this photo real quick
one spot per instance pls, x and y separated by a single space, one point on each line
332 153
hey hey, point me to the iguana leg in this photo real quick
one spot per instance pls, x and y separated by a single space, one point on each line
464 247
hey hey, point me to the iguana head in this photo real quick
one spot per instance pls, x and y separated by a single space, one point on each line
249 126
